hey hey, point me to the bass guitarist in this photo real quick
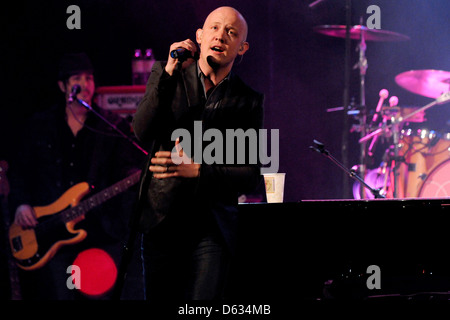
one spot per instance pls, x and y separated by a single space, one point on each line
61 147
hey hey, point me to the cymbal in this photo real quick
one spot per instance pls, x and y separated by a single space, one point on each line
429 83
355 33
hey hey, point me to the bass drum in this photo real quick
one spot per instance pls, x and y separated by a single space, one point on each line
437 183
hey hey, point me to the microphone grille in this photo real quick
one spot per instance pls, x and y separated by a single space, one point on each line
393 101
384 93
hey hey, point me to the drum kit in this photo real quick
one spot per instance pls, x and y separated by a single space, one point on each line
417 162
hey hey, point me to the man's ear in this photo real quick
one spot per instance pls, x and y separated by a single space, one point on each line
61 86
243 48
198 35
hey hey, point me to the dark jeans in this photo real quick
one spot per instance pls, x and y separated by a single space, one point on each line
178 266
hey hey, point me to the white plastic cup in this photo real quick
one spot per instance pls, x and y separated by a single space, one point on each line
274 183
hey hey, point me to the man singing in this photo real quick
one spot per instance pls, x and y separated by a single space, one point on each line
188 210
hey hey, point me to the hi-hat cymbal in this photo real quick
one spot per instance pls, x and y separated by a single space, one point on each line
355 33
428 83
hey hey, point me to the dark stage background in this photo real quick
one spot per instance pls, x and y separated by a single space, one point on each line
301 72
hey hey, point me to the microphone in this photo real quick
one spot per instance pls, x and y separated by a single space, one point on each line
76 89
183 54
383 95
393 101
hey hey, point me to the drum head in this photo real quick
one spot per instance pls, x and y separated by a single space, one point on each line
437 183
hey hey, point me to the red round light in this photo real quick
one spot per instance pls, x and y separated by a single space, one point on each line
98 271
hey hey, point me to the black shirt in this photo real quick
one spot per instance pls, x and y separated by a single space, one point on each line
50 159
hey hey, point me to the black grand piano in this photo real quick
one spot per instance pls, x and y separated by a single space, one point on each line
322 249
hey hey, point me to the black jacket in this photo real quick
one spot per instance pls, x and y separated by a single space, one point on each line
176 101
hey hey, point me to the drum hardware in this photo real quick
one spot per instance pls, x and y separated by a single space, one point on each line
394 127
432 84
320 148
429 83
396 141
352 110
430 135
444 98
363 34
423 176
378 177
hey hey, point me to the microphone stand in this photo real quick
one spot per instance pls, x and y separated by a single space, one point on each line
85 104
352 173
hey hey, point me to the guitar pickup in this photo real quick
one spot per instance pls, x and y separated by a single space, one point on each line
17 244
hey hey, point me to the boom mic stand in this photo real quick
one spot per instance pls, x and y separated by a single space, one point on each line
86 105
319 147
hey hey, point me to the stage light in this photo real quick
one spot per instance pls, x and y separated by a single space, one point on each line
98 271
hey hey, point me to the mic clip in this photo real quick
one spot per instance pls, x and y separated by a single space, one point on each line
76 89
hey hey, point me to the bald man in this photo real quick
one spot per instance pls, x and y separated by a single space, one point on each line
188 209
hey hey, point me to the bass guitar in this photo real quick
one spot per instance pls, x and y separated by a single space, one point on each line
32 248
